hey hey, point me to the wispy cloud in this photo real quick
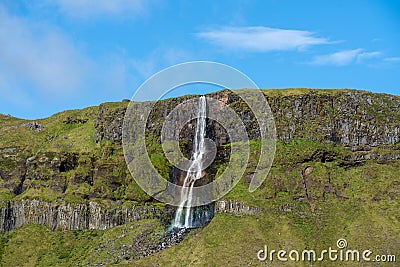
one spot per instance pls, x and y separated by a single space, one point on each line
93 8
261 39
39 55
41 65
392 59
345 57
367 55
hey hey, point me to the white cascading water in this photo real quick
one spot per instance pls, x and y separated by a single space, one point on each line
194 171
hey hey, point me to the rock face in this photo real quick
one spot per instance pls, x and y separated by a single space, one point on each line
34 126
83 175
349 118
236 208
352 118
67 216
109 123
92 215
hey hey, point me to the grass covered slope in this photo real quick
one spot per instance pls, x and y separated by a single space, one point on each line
235 240
35 245
59 158
301 210
229 240
65 131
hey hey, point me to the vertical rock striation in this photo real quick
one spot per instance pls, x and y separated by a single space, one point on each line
68 216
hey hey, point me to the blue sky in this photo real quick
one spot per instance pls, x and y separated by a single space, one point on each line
68 54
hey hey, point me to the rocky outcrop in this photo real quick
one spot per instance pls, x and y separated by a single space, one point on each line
350 118
347 117
92 215
34 126
51 175
68 216
108 123
236 208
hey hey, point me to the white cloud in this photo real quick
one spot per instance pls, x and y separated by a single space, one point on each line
261 39
41 66
90 8
344 57
367 55
392 59
38 56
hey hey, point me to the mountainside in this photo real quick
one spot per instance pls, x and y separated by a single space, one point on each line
335 175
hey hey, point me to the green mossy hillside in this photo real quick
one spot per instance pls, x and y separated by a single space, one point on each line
335 175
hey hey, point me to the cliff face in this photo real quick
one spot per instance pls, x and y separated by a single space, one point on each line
352 118
92 215
82 176
69 216
349 118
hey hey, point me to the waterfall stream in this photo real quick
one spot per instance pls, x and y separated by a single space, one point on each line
184 214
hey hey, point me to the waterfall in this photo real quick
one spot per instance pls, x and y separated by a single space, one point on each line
194 171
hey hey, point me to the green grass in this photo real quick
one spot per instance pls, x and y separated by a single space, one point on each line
302 91
35 245
235 240
56 135
369 182
227 240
